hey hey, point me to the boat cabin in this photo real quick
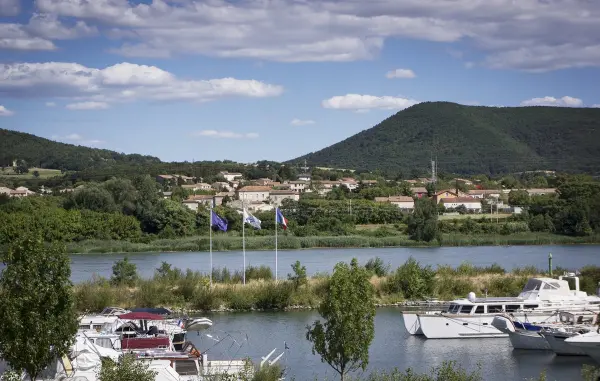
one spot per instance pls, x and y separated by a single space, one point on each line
489 306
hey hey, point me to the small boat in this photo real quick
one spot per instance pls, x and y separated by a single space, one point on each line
589 343
198 324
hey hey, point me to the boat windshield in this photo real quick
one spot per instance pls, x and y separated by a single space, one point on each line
533 285
453 308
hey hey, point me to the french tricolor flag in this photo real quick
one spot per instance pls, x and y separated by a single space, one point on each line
280 219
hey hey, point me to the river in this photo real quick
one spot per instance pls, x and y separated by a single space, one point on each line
84 266
257 333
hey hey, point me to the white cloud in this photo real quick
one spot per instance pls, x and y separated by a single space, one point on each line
87 106
300 122
120 82
400 73
596 106
367 102
50 104
50 27
10 7
77 139
225 134
511 34
14 36
5 112
565 101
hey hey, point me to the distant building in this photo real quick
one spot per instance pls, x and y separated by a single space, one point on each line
277 196
419 192
205 199
5 190
21 192
253 193
304 177
369 182
445 194
541 191
230 176
197 187
485 193
298 186
470 203
349 182
221 185
403 202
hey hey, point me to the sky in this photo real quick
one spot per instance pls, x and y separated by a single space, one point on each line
250 80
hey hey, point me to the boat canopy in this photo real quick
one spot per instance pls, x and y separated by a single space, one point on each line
157 311
141 316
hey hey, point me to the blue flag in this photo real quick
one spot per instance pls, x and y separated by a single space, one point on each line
218 222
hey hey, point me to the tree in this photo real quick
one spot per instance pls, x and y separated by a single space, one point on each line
349 311
124 272
36 174
127 369
423 222
37 308
299 278
519 198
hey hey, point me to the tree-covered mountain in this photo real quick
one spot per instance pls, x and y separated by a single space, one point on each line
45 153
472 139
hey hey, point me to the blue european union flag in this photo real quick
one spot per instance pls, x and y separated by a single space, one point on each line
219 222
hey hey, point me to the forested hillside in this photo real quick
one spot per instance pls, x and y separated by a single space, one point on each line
472 139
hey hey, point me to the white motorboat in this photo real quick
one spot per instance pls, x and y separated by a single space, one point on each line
524 335
198 324
109 315
589 343
472 317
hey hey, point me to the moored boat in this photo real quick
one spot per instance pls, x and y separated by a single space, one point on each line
472 317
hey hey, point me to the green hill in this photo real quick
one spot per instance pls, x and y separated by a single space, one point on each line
45 153
472 140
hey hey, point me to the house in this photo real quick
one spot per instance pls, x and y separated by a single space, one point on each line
419 192
412 182
197 187
349 182
298 186
447 193
304 177
471 203
186 179
464 181
369 183
402 202
541 191
67 190
21 192
230 176
324 186
221 185
485 193
167 194
235 184
5 190
252 193
277 196
264 182
165 179
203 199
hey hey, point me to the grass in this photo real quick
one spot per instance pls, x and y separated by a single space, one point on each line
44 173
231 243
190 290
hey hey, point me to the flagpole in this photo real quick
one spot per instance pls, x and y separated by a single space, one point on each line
275 245
244 240
210 244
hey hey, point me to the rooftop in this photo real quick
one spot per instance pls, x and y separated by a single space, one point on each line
254 188
461 199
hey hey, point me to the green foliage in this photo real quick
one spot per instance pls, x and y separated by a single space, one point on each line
299 277
377 267
590 373
448 371
124 273
423 222
471 140
37 310
518 198
412 280
349 311
127 369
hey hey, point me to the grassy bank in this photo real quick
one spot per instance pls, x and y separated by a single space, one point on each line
230 242
189 290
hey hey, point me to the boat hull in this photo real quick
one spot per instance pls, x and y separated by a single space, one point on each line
528 340
443 326
590 344
556 342
455 327
411 323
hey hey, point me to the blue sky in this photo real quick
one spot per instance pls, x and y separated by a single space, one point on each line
249 80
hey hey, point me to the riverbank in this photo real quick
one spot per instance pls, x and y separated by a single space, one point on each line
257 243
190 291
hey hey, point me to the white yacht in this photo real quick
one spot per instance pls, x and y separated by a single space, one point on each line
589 343
472 317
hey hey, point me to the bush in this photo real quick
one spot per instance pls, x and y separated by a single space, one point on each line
299 278
124 272
412 280
377 266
